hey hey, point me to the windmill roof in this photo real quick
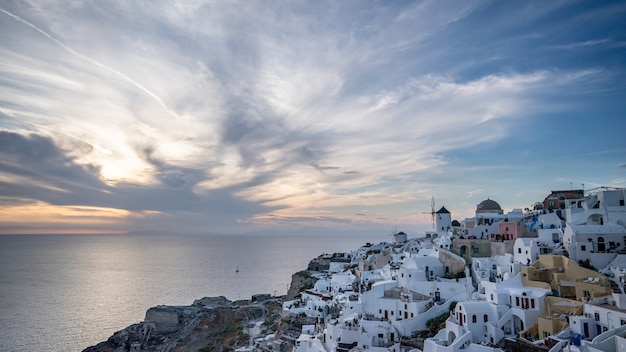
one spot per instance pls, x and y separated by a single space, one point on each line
443 210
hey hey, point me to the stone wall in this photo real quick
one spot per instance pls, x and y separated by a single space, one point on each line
164 319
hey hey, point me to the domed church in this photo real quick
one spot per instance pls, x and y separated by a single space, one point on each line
488 206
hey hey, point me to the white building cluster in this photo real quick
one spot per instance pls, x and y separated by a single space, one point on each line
552 277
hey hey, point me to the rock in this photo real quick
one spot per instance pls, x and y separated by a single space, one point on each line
300 281
220 301
210 324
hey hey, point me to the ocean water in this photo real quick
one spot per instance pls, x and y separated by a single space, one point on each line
68 292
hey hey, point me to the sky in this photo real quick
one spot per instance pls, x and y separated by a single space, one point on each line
345 116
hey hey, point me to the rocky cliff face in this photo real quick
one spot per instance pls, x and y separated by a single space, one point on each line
210 324
213 324
300 281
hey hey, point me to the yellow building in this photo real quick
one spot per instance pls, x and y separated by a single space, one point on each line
571 286
556 315
565 278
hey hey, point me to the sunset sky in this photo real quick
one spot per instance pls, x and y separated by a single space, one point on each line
234 116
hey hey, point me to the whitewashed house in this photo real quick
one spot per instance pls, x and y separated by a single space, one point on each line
360 333
419 267
527 250
335 283
596 227
616 271
494 269
600 315
504 310
610 341
550 227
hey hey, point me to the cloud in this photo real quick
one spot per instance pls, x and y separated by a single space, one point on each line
39 177
257 113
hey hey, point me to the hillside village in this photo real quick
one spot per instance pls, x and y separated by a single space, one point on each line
546 278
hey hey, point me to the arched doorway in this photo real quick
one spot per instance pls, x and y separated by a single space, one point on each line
601 245
518 324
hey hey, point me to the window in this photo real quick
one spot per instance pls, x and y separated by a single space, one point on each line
485 318
473 318
519 250
597 316
532 303
583 248
475 250
517 301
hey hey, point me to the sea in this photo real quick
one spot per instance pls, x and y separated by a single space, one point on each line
68 292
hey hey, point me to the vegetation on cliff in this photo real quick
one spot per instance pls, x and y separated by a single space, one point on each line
210 324
199 328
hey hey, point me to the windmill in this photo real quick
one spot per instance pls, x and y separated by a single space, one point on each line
392 235
432 211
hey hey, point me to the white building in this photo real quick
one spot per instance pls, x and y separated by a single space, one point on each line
494 269
596 227
616 271
422 266
599 316
506 309
610 341
550 227
527 250
335 283
361 333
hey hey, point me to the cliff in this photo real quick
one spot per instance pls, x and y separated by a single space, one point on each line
209 324
212 324
300 281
